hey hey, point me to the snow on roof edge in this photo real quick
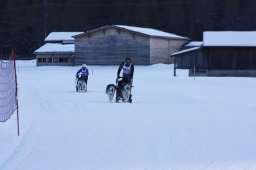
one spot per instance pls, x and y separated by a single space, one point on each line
55 48
61 36
146 31
187 50
194 44
151 32
229 38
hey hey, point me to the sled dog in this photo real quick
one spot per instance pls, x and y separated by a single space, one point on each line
126 93
81 86
110 91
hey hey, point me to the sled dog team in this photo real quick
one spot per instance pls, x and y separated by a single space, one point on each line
122 88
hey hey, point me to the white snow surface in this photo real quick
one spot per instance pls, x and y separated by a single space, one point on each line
174 123
230 38
52 47
61 36
151 32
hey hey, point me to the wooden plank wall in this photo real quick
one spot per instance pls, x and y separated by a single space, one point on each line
231 58
161 49
110 47
220 61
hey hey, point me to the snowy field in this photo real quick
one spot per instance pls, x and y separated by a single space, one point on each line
174 123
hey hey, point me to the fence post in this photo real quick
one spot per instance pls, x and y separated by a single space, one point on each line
194 72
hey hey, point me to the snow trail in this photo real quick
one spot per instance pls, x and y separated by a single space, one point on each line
173 123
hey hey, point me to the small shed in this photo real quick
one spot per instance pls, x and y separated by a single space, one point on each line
58 50
109 45
223 53
55 54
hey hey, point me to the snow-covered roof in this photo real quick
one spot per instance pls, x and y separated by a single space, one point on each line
194 44
151 32
56 48
61 36
146 31
186 51
230 38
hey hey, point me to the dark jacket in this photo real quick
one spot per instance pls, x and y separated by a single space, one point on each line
83 71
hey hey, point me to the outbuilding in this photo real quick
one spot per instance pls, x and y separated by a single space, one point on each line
59 49
109 45
223 53
55 54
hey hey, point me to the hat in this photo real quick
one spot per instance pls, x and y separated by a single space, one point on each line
128 58
84 65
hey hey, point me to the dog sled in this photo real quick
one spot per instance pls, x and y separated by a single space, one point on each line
122 93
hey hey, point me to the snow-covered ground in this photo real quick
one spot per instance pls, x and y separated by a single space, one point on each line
174 123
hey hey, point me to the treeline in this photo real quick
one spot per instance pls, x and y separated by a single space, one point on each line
23 25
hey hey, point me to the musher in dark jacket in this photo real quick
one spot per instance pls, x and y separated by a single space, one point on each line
127 69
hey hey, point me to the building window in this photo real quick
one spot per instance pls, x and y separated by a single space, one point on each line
49 60
55 60
65 60
39 60
61 60
44 60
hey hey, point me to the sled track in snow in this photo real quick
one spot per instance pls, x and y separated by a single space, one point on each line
27 144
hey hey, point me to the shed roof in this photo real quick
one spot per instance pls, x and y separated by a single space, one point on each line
61 36
50 48
145 31
229 38
186 51
194 44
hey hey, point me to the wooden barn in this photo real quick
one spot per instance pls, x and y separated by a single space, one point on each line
225 53
58 50
109 45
